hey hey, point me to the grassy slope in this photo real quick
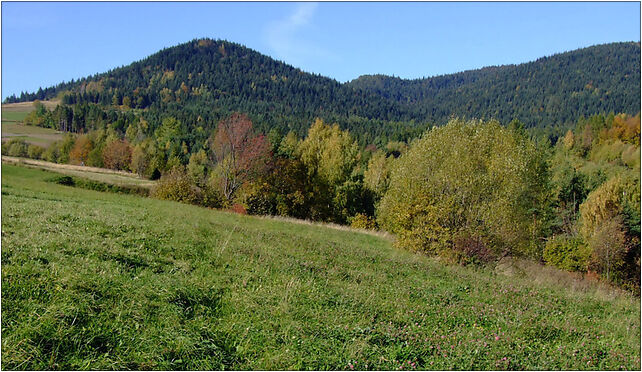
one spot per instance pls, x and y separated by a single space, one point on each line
102 281
31 134
12 116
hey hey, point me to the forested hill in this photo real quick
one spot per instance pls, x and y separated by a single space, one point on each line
556 89
207 79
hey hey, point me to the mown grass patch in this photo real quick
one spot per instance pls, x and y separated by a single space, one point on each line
95 280
13 116
31 134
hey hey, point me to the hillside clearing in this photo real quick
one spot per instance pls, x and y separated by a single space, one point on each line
104 281
13 115
30 134
27 106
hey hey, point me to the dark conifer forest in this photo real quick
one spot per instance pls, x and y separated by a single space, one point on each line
203 81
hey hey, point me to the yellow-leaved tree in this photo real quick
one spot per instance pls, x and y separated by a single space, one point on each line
468 190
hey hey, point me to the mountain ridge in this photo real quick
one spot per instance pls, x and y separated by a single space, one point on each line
207 79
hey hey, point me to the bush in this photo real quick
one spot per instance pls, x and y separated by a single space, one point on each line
79 153
177 185
238 208
567 253
609 249
211 197
261 201
35 152
52 154
470 249
631 157
64 148
88 184
62 180
17 147
362 221
468 177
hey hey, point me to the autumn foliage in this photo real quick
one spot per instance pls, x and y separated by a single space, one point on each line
238 153
80 152
117 154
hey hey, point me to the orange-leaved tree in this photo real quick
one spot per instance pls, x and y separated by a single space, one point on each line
117 154
80 152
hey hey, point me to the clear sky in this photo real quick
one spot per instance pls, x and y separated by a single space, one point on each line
44 43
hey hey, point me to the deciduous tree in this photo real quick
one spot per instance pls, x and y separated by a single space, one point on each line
239 155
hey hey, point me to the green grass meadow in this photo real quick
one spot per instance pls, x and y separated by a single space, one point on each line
95 280
14 116
36 135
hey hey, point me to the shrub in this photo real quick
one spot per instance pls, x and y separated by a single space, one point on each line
284 190
17 147
609 152
261 201
176 185
95 157
567 253
463 177
631 157
238 208
211 197
52 154
63 180
362 221
35 152
470 249
608 247
64 148
88 184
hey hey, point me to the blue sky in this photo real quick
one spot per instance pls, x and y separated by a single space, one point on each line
44 43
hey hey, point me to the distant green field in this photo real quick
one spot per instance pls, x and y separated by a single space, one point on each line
9 116
95 280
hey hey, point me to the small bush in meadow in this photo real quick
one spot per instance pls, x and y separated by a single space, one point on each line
17 147
177 185
35 152
609 249
567 253
238 208
362 221
117 154
63 180
471 249
52 154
